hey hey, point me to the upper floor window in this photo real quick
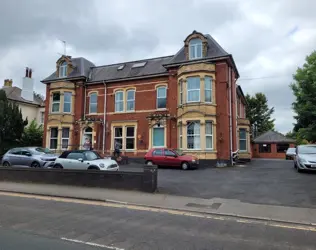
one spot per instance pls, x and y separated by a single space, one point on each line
208 89
193 89
119 101
161 97
181 92
93 105
42 117
67 102
63 69
56 102
130 100
195 49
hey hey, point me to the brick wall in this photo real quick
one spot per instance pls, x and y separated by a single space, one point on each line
274 154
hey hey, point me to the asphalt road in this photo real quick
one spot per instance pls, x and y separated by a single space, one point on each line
273 182
41 224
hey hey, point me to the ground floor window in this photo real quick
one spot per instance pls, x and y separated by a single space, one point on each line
193 135
180 136
64 138
53 138
282 147
242 139
125 137
209 135
264 148
158 137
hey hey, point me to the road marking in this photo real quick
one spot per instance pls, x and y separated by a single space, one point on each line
166 210
91 244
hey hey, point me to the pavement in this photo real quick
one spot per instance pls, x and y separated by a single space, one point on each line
273 182
39 223
215 206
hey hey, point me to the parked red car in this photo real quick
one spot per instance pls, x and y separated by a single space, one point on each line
170 157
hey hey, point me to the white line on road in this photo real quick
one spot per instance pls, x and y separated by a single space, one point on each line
91 244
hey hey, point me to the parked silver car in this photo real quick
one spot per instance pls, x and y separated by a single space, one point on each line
305 158
85 160
35 157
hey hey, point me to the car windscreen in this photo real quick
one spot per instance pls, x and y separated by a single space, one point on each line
307 150
41 151
91 156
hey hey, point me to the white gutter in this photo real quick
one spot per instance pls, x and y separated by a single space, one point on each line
230 116
104 124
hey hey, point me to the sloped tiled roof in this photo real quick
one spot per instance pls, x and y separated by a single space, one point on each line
14 94
273 137
82 68
214 50
153 66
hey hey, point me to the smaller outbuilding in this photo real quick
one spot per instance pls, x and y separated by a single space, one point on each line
271 144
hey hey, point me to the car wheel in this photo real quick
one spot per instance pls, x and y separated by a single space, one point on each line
58 166
185 165
6 164
149 163
298 169
35 164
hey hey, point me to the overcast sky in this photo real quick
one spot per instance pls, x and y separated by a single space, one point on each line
269 39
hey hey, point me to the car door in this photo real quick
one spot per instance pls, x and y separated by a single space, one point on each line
14 156
158 157
72 161
170 158
25 158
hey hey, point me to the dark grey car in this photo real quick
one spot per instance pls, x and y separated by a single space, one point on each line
35 157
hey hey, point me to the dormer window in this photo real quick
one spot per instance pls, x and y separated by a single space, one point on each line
195 49
63 70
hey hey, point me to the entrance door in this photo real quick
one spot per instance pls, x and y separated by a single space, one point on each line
87 137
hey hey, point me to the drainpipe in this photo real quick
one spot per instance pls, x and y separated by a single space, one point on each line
84 101
230 116
236 103
104 112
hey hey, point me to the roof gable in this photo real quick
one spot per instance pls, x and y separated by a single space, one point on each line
273 137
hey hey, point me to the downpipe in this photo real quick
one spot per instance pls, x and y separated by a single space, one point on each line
230 117
104 123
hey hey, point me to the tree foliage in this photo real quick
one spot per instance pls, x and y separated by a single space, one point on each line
259 113
304 89
32 135
11 123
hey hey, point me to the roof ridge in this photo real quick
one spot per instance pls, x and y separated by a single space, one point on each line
147 59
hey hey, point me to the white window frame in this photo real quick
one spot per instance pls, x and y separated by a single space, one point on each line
130 100
65 138
194 135
42 117
119 101
209 89
194 47
189 90
129 137
63 70
161 97
56 102
96 103
118 137
209 135
180 136
243 150
181 92
53 138
67 102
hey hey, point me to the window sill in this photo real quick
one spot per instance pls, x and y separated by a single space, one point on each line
162 109
60 113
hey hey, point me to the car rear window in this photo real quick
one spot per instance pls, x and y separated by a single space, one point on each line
157 152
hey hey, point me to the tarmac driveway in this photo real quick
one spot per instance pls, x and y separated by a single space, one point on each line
273 182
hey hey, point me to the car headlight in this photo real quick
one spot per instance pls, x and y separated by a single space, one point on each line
101 165
193 160
302 160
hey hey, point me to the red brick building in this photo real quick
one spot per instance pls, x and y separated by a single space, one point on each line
271 144
188 101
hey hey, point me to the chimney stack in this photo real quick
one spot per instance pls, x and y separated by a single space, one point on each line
7 83
27 72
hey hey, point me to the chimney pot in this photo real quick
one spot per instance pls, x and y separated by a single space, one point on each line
27 72
30 73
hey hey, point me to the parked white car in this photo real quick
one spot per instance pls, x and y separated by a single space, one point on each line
85 160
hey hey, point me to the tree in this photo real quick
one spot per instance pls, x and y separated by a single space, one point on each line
11 123
32 135
259 113
304 89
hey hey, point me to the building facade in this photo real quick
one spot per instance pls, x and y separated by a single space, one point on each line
32 106
188 101
271 144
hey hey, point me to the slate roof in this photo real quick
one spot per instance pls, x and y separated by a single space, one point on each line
153 66
273 137
82 69
14 94
214 50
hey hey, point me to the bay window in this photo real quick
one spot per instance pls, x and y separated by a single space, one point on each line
193 89
64 138
193 135
67 102
209 135
53 138
242 139
208 89
56 102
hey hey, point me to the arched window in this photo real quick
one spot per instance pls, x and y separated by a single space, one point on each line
195 49
63 69
93 105
88 130
130 100
119 101
161 97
